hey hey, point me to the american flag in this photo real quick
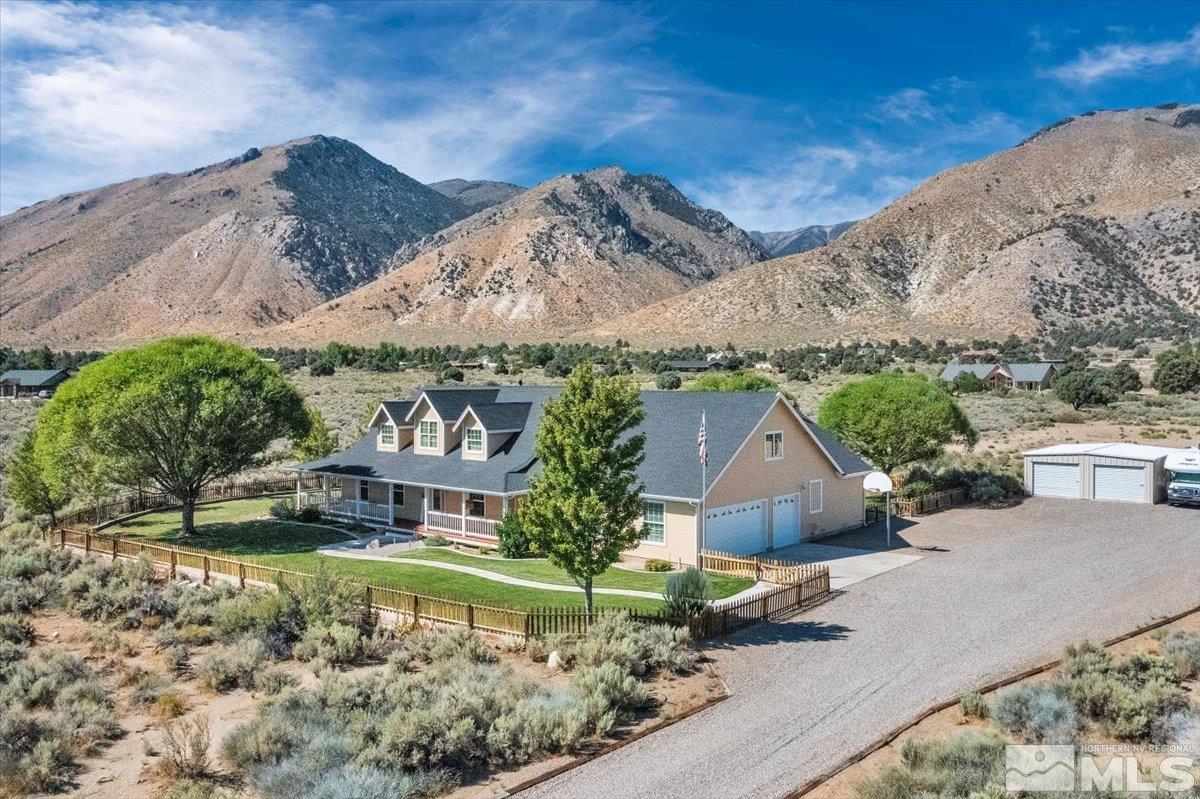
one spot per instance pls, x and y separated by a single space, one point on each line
702 441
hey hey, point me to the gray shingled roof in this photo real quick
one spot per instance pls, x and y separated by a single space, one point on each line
502 417
1029 372
980 370
398 410
34 377
670 468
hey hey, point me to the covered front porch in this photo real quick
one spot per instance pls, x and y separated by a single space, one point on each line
466 515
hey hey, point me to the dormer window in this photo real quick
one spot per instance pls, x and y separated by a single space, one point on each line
429 434
387 434
474 440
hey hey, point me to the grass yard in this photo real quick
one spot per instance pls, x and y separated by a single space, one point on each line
540 569
236 527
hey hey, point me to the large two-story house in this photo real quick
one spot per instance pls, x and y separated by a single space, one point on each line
455 461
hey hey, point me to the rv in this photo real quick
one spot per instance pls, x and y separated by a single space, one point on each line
1184 488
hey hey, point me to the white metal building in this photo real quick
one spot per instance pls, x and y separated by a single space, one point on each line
1113 472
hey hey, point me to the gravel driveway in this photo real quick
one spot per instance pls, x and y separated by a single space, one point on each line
1013 587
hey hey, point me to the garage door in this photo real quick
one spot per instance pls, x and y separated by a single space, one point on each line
785 520
1119 483
1056 479
739 529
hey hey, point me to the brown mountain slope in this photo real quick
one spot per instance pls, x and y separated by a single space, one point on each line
561 256
244 243
1094 219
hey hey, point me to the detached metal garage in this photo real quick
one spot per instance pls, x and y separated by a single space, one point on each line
1108 472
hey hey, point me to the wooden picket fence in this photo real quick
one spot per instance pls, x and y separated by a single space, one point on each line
929 503
780 572
136 502
810 586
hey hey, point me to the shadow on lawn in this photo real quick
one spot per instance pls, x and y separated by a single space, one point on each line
257 537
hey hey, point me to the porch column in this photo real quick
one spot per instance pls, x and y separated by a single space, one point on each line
325 491
391 504
424 505
358 499
503 506
299 478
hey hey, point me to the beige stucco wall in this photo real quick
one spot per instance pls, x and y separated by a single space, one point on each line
680 544
750 476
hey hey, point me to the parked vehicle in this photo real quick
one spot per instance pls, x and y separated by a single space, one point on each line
1184 488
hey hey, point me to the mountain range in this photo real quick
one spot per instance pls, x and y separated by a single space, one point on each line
1093 219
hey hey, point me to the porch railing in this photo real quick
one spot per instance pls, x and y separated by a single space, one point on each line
359 509
463 525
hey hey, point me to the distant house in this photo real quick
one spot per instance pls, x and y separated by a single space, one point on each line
1032 376
455 461
31 382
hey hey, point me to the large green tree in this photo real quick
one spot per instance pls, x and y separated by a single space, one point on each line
1177 371
893 419
1084 387
179 413
33 484
734 381
582 507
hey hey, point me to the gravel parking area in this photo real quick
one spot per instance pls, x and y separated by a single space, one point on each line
1002 590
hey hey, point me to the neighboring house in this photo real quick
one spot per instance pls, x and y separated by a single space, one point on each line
455 461
1033 376
31 382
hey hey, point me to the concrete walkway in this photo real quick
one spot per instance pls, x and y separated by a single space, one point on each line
339 552
1003 591
847 566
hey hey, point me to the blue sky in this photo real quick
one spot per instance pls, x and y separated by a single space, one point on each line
777 114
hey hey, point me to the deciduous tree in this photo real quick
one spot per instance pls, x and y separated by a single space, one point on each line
181 413
33 484
581 509
895 418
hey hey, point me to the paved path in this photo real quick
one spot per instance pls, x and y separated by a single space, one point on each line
1013 587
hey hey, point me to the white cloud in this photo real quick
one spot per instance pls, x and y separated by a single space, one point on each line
809 185
1126 58
907 105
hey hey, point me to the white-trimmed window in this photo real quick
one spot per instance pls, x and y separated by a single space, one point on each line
437 499
364 490
773 445
654 522
387 434
474 439
398 495
816 496
476 506
429 434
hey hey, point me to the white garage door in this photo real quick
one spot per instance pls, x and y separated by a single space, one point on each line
1120 483
739 529
785 520
1056 479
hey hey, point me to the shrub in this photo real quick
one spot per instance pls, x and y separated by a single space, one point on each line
436 541
657 565
185 749
608 693
688 593
168 705
16 630
1182 650
1036 713
967 765
230 667
273 680
514 541
283 509
265 614
309 514
635 647
1133 698
148 687
973 706
668 381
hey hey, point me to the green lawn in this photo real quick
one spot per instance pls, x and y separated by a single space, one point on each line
540 569
235 527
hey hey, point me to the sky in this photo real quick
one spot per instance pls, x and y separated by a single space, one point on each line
779 115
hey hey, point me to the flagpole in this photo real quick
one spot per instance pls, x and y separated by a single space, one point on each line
703 486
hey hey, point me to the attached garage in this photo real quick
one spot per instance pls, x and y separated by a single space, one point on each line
1106 472
738 529
785 520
